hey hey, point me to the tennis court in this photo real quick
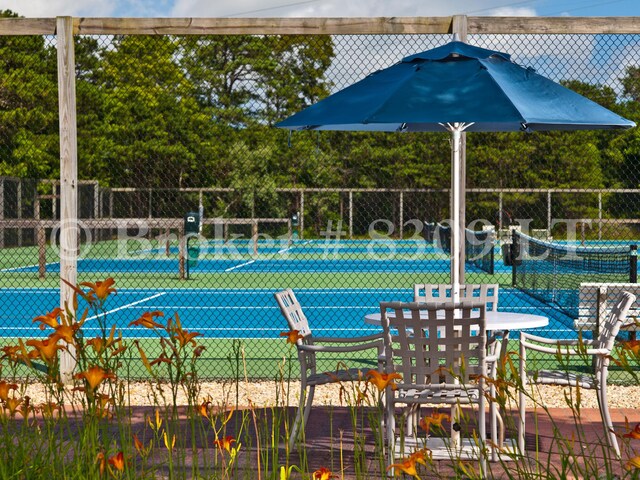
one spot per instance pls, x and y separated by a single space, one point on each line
242 313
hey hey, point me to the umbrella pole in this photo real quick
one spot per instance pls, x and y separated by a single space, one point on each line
455 213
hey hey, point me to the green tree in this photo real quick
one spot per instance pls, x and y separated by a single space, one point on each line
28 106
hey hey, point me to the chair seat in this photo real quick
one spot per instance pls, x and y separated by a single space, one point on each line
558 377
350 375
438 395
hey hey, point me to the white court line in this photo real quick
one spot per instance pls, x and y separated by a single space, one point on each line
13 269
289 248
241 265
128 305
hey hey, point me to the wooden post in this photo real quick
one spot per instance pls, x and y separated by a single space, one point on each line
254 236
68 175
459 28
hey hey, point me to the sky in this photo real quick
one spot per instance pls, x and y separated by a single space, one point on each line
319 8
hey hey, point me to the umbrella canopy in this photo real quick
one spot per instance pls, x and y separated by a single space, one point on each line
456 87
455 83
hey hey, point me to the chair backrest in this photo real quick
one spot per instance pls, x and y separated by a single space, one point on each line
611 326
432 293
292 311
434 343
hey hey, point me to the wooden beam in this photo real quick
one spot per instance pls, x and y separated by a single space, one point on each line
261 26
68 175
27 26
549 25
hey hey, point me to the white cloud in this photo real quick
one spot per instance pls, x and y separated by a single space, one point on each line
53 8
513 12
328 8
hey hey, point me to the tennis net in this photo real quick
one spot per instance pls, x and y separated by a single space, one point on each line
478 246
552 271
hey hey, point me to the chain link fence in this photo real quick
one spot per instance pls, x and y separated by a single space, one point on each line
177 126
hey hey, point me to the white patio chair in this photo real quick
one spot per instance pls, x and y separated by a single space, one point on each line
309 346
599 349
486 293
444 369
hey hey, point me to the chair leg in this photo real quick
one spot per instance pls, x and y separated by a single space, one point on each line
522 400
493 419
603 405
304 406
482 433
390 423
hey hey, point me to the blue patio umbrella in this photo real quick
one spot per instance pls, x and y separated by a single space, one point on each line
456 87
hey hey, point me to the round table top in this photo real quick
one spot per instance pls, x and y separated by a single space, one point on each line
493 320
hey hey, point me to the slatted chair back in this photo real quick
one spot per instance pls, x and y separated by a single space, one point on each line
433 293
431 344
611 326
292 311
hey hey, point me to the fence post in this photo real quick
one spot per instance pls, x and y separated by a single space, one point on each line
19 209
401 226
301 232
68 176
350 214
549 212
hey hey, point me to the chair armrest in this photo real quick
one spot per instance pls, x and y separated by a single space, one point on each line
367 338
340 348
491 358
563 351
552 341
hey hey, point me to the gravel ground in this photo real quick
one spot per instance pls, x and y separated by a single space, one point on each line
264 393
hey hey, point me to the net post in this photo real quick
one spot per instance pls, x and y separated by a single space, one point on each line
289 232
182 247
42 251
633 264
513 252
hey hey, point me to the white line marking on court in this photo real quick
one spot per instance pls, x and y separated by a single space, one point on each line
290 247
14 269
128 305
241 265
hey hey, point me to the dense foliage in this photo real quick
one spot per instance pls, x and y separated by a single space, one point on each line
199 111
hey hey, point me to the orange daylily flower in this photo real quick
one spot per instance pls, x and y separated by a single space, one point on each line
101 289
142 450
94 376
406 466
203 409
224 443
161 359
292 336
97 344
117 461
436 418
49 409
147 320
183 337
50 319
633 463
198 350
12 405
632 345
4 389
66 332
635 433
323 474
383 380
102 462
11 351
45 349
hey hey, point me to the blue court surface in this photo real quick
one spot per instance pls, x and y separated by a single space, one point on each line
238 313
